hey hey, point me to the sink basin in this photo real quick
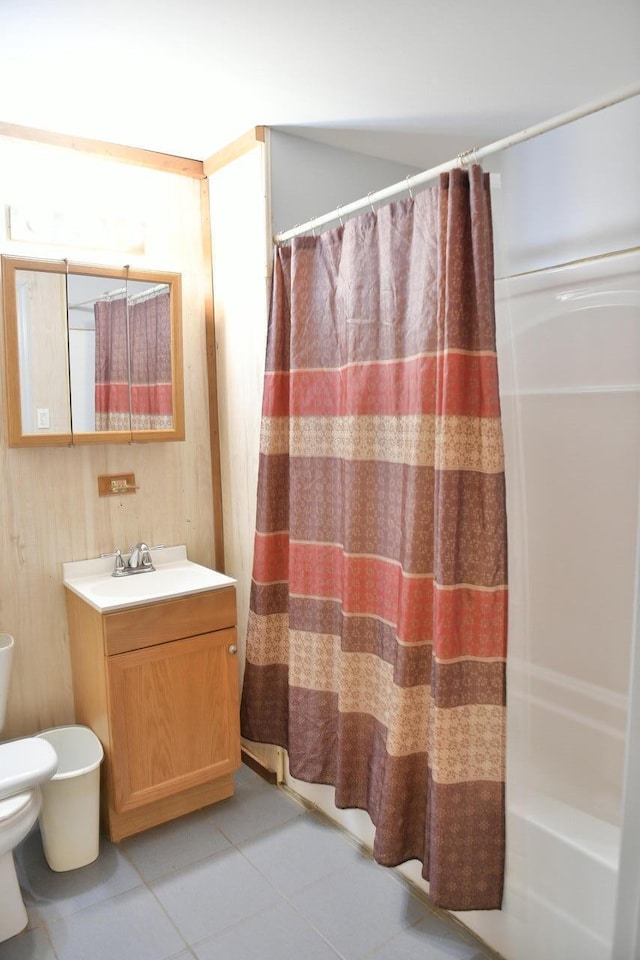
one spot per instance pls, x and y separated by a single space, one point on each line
174 576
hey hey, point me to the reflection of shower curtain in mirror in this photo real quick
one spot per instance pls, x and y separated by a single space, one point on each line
112 365
150 362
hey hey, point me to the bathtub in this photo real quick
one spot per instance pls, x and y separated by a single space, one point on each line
564 800
561 881
565 753
573 735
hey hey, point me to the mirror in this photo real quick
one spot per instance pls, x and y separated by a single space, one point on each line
93 354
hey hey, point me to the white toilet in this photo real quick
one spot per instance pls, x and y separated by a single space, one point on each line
24 765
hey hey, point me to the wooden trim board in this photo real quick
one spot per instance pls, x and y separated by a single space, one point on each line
212 381
113 151
234 150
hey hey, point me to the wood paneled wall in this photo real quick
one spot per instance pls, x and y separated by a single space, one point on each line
50 511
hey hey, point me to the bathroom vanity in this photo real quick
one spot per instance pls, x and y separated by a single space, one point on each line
155 677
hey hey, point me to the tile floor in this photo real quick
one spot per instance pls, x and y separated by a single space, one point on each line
256 877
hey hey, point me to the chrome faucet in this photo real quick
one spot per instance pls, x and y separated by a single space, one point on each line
138 561
140 558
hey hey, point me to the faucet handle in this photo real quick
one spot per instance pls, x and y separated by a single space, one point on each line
119 564
145 556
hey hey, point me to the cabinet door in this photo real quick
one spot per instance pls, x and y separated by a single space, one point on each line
174 717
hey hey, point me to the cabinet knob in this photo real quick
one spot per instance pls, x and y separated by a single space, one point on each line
233 649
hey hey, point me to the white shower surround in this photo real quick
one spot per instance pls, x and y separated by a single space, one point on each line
569 349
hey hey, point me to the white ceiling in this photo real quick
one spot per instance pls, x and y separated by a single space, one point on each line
413 80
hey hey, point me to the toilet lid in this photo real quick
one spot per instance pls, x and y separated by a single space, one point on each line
15 806
24 764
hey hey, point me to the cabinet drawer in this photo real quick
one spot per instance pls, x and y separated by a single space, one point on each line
170 620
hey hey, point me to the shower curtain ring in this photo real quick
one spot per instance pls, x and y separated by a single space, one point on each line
408 178
467 157
369 195
338 209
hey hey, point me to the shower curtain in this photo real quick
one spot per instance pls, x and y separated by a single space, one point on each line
150 339
377 629
139 343
112 365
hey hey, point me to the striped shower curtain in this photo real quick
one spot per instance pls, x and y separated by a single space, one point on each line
112 365
133 387
150 346
377 629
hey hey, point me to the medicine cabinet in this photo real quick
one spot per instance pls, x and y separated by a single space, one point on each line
93 353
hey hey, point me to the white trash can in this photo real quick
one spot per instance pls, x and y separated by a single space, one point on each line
70 813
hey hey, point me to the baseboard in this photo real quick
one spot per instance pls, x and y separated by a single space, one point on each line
249 761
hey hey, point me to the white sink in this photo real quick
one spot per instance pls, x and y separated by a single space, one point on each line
174 576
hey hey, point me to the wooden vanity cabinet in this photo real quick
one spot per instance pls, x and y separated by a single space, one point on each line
158 684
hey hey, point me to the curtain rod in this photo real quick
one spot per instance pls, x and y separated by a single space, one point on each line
470 156
109 294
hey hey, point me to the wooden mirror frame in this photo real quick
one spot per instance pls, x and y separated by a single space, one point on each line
16 435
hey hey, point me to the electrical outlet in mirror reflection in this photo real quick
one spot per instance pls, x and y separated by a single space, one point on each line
42 418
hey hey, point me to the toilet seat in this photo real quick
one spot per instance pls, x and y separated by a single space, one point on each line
17 816
16 806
